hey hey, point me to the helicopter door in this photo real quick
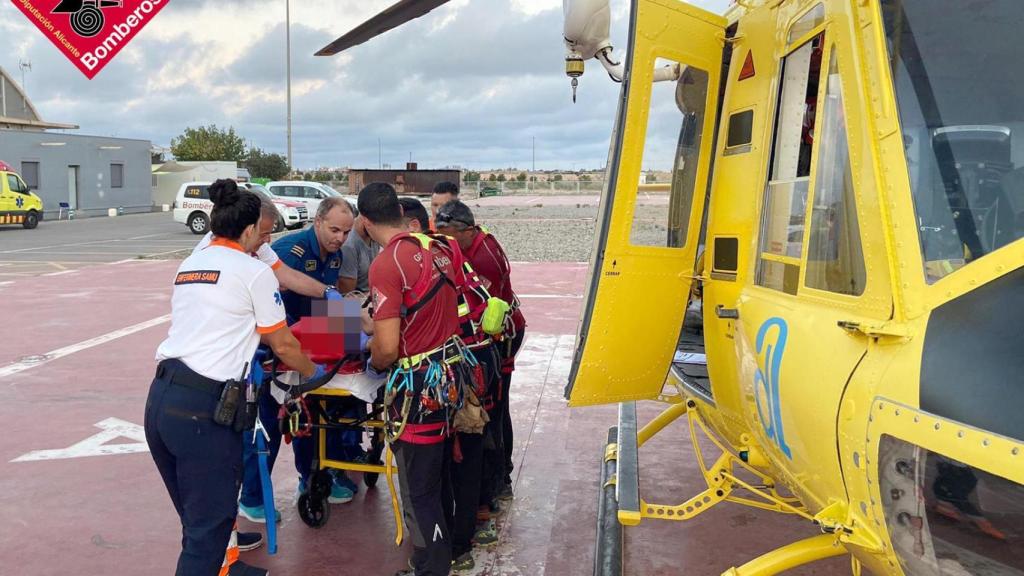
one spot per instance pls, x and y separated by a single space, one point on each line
643 261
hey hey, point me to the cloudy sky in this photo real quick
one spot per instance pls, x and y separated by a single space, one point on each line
470 84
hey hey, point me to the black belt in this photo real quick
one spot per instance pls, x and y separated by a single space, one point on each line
177 372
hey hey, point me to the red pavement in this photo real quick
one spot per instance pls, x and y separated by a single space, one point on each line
110 514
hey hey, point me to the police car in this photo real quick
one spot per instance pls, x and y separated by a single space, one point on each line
18 205
192 207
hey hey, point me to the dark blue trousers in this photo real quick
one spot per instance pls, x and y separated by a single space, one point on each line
200 462
252 486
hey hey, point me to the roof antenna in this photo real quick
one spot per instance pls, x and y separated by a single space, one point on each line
24 65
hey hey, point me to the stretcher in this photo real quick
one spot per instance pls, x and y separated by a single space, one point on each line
320 415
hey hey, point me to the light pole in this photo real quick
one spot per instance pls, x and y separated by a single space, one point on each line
288 67
24 65
534 169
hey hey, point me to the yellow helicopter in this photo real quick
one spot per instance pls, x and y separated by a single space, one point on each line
835 297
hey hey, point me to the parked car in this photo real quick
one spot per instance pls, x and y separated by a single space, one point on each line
192 207
293 214
309 193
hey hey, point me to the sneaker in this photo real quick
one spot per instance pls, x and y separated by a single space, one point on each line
242 569
464 562
340 495
256 514
249 541
485 535
342 479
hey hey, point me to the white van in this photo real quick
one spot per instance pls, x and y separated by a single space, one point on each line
192 207
309 193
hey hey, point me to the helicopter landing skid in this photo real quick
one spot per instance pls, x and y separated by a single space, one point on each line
621 504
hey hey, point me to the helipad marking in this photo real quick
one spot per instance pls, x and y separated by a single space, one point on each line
15 367
96 445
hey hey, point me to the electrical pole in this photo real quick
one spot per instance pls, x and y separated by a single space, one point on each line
534 169
380 154
288 56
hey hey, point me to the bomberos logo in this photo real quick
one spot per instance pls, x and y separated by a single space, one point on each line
90 32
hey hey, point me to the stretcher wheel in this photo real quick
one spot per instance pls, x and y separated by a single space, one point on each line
314 511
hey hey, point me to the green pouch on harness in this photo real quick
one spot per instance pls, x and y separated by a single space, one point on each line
493 320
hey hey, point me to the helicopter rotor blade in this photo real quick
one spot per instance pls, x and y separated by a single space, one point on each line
397 14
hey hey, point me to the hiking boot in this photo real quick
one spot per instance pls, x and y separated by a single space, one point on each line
249 541
485 535
464 562
240 568
506 492
256 514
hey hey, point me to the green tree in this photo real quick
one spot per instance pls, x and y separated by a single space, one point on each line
492 177
501 178
650 178
471 176
209 143
557 178
584 177
521 177
264 165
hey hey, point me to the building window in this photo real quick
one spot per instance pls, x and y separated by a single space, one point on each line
117 175
30 172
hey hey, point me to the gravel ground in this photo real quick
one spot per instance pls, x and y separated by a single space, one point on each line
540 233
561 231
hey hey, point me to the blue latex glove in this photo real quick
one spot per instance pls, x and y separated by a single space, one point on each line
364 339
320 372
332 294
373 373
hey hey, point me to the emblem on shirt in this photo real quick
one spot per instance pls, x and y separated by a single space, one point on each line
197 277
277 298
378 299
336 263
310 265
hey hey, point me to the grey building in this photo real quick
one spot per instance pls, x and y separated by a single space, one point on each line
89 173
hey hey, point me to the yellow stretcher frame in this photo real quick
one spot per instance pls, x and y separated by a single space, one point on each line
388 469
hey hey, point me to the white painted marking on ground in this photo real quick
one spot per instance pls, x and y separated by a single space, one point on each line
16 367
123 261
96 445
60 273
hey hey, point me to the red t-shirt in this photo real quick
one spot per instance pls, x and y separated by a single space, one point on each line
395 271
488 259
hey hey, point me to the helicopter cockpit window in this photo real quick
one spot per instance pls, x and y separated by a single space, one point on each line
671 150
785 205
947 518
835 261
961 110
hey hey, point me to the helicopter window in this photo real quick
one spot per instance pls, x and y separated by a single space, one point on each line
946 518
785 205
741 127
809 21
835 261
671 147
961 113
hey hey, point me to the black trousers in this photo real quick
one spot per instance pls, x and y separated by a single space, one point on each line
200 462
424 483
508 354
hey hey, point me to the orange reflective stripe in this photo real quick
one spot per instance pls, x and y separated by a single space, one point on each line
277 265
231 555
269 329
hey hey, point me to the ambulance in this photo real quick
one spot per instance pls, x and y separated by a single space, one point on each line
18 205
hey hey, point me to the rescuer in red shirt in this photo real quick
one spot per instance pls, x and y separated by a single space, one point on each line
488 259
414 286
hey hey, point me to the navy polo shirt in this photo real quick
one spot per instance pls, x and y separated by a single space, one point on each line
300 251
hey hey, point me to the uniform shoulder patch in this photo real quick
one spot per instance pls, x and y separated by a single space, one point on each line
310 265
197 277
298 251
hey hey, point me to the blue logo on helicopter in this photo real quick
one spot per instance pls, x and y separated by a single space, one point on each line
770 347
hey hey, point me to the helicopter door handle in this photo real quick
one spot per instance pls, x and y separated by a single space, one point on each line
727 313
